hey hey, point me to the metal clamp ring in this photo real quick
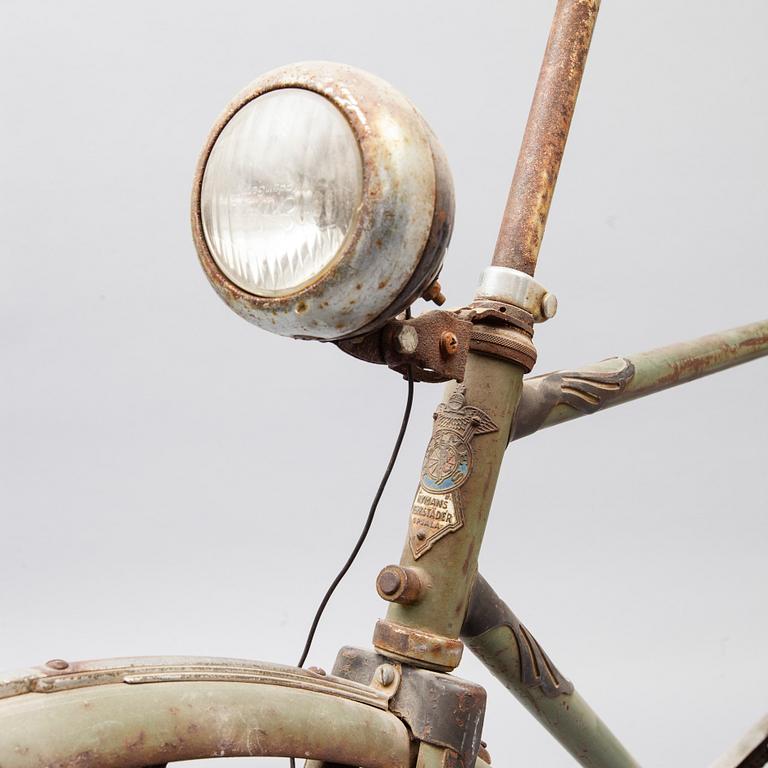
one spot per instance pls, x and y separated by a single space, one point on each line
519 289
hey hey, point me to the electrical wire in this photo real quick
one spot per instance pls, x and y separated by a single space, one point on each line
368 521
366 527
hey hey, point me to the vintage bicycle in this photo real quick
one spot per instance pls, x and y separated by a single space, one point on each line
322 207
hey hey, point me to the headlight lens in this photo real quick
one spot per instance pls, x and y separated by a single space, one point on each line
322 203
281 188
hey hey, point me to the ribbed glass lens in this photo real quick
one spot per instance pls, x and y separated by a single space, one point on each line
280 191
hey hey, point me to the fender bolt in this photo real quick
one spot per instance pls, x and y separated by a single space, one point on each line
386 674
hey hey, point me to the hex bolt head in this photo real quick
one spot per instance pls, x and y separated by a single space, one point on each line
385 674
57 664
549 305
407 340
449 344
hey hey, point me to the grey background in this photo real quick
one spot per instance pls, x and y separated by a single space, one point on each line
173 480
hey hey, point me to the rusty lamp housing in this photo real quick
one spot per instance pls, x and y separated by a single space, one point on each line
393 249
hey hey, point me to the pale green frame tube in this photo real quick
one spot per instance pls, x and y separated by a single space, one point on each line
511 653
564 395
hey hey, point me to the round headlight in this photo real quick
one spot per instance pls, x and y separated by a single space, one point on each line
322 203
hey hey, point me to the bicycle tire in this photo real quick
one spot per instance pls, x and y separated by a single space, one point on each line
130 713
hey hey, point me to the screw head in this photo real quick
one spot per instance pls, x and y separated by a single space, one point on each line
317 670
549 305
386 674
449 344
57 664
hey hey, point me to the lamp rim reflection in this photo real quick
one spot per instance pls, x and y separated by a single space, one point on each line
395 243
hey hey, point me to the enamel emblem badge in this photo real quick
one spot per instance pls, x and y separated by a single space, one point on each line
436 510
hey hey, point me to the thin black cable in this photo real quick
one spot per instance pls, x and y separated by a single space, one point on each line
368 522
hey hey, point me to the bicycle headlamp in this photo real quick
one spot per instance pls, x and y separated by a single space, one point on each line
322 203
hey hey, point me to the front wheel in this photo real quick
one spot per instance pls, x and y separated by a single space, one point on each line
128 713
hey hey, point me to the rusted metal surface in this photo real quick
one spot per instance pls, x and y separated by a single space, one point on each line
564 395
546 132
86 674
751 751
433 345
439 709
395 247
449 343
508 650
434 293
505 343
419 646
139 712
501 329
488 611
400 585
489 312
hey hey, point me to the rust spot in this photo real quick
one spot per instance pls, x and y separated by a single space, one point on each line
141 737
545 135
80 759
383 284
759 341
